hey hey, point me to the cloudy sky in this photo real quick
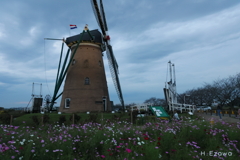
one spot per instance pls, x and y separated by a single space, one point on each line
201 37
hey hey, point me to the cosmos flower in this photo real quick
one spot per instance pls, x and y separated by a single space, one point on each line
128 150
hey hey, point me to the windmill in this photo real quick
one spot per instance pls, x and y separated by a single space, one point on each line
85 87
101 19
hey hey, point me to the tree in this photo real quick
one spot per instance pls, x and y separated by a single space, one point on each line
130 104
225 91
156 101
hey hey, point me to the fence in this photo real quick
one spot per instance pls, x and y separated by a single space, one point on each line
230 113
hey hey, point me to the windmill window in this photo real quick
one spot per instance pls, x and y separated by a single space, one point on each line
85 63
87 81
67 102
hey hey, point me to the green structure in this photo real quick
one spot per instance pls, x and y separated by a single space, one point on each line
159 112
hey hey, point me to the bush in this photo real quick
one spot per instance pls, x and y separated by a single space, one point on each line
62 119
5 118
134 116
76 118
35 120
93 118
45 119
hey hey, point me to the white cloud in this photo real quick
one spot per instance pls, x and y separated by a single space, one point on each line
2 31
206 30
202 49
21 70
33 34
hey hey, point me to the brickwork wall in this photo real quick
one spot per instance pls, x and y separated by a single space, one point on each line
88 62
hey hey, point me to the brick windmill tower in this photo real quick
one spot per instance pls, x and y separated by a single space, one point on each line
85 87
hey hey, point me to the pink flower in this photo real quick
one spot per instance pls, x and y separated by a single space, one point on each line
117 146
128 150
102 156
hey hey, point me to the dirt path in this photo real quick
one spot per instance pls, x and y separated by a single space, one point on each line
225 118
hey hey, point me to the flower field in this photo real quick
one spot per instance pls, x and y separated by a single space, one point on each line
114 139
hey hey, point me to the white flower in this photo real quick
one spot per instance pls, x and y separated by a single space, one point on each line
142 142
138 138
160 156
139 143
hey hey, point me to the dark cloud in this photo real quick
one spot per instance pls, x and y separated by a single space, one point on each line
199 36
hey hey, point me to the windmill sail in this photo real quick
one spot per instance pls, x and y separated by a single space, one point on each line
103 16
100 17
114 73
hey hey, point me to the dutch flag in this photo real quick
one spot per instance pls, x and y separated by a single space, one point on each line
73 26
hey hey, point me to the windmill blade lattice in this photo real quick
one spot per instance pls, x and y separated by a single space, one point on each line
103 16
47 101
98 16
114 73
101 19
95 12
